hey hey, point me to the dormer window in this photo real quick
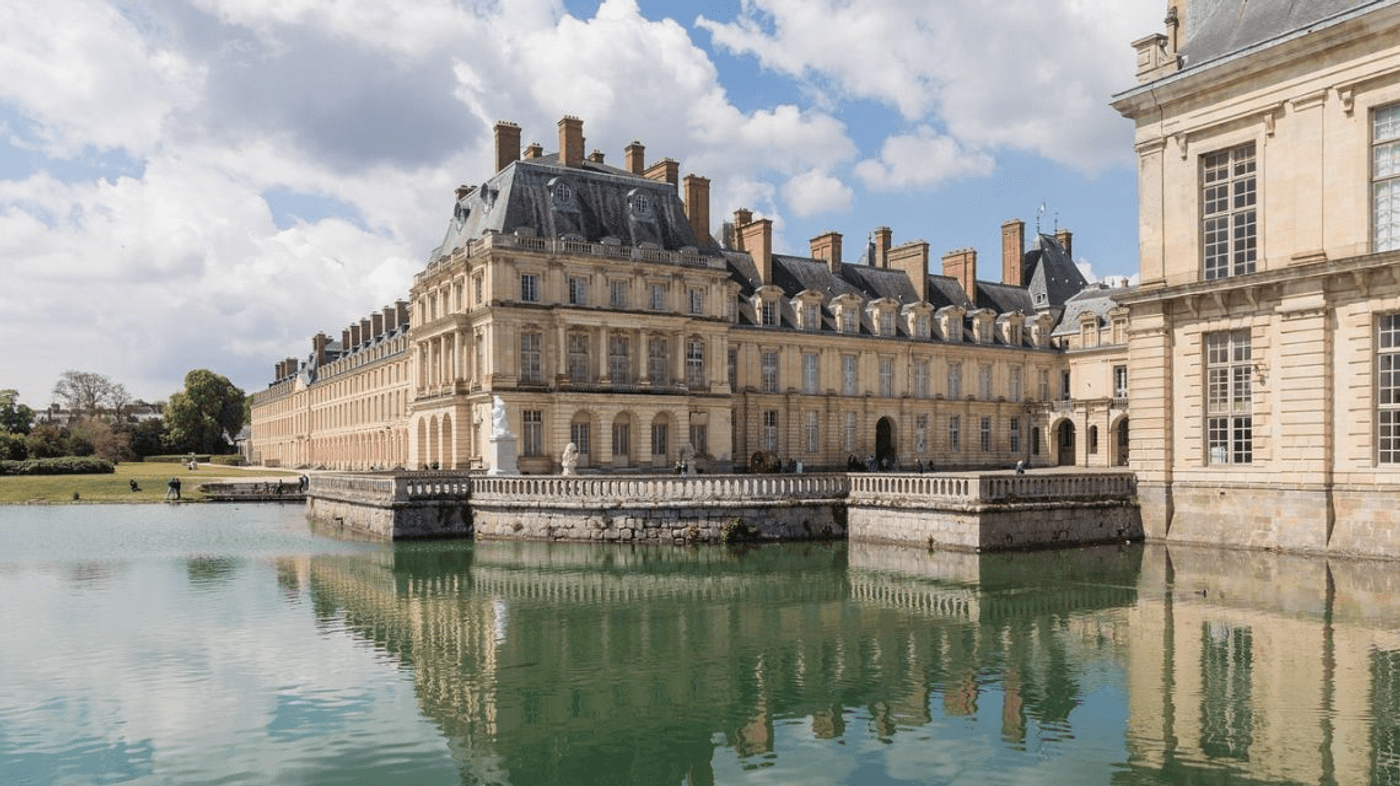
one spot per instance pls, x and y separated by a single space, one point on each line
848 320
561 194
811 316
639 203
886 322
769 312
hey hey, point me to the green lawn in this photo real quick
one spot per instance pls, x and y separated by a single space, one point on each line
117 486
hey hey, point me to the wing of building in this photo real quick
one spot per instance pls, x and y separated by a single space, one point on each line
1265 334
604 309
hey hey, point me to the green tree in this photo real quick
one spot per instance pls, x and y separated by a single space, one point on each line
146 437
15 418
47 440
199 416
12 447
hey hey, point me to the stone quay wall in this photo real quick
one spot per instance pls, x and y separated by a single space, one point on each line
994 512
422 505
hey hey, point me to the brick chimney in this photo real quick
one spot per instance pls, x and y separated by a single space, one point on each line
318 348
697 206
345 340
742 217
1013 251
883 237
401 306
391 319
1066 239
533 151
571 141
507 144
376 321
962 265
354 335
758 242
634 158
827 247
596 156
667 170
912 258
365 335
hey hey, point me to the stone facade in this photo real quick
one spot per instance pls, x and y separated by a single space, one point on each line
1262 335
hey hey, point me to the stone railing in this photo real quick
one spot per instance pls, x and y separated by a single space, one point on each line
997 487
657 489
388 489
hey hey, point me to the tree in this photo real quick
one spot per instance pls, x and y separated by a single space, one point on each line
198 417
47 441
15 418
84 393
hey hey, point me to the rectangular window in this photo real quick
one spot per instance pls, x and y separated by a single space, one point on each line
811 317
887 323
622 439
580 434
986 434
887 377
1044 375
578 291
700 439
1065 389
734 369
529 288
1015 428
617 294
1015 391
1229 397
1229 219
811 373
921 434
921 379
770 312
658 297
531 367
1120 381
813 434
1388 389
954 381
1385 177
697 301
984 382
532 436
620 360
849 322
695 364
848 433
578 358
770 430
658 361
478 291
769 368
955 433
848 375
658 439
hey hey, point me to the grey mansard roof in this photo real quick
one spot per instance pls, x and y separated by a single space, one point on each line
590 202
1215 28
1097 300
1050 274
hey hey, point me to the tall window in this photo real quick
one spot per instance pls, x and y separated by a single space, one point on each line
530 361
1229 218
617 294
658 361
1044 380
769 368
1065 389
984 382
1015 428
695 364
848 433
1388 390
887 322
578 291
887 377
1229 374
529 288
658 297
700 438
813 434
1385 174
1120 381
580 434
659 434
811 317
697 301
955 433
921 379
478 290
620 360
578 358
848 320
532 438
770 430
986 434
954 381
921 434
734 369
811 372
770 312
621 438
848 375
1015 391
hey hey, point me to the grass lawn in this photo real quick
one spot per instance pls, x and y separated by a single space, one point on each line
117 486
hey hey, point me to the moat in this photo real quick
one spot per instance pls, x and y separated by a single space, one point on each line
232 644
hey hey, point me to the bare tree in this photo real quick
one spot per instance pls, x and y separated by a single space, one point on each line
84 393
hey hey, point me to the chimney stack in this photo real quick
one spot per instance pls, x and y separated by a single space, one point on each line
318 348
365 335
533 151
697 207
912 258
376 321
883 237
344 341
827 247
354 335
507 144
401 306
635 158
596 156
1066 239
742 217
758 242
1013 251
571 141
667 170
391 319
962 265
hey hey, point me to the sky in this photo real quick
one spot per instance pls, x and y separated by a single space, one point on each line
208 183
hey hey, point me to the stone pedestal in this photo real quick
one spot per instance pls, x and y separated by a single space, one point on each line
502 455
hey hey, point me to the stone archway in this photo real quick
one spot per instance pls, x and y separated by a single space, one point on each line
1064 443
885 453
1120 443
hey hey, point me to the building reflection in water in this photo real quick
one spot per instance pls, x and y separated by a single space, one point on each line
545 663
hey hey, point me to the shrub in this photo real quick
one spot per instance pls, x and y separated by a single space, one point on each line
65 465
230 460
202 458
12 447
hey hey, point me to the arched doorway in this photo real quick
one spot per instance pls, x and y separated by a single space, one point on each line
1064 441
1120 443
884 444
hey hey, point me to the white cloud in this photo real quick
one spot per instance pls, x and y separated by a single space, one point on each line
816 192
921 160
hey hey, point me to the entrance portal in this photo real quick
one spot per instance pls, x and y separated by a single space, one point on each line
884 444
1064 439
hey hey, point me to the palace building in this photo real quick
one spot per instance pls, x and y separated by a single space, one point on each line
605 309
1263 343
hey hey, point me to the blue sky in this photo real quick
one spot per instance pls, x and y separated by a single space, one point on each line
208 183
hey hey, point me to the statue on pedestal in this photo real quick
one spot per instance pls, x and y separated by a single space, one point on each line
569 462
499 426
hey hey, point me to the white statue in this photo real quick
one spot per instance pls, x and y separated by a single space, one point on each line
569 462
499 426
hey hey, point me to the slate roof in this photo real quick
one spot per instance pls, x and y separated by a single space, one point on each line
590 202
1098 300
1050 274
1215 28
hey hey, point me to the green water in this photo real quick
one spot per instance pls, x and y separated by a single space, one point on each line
231 645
